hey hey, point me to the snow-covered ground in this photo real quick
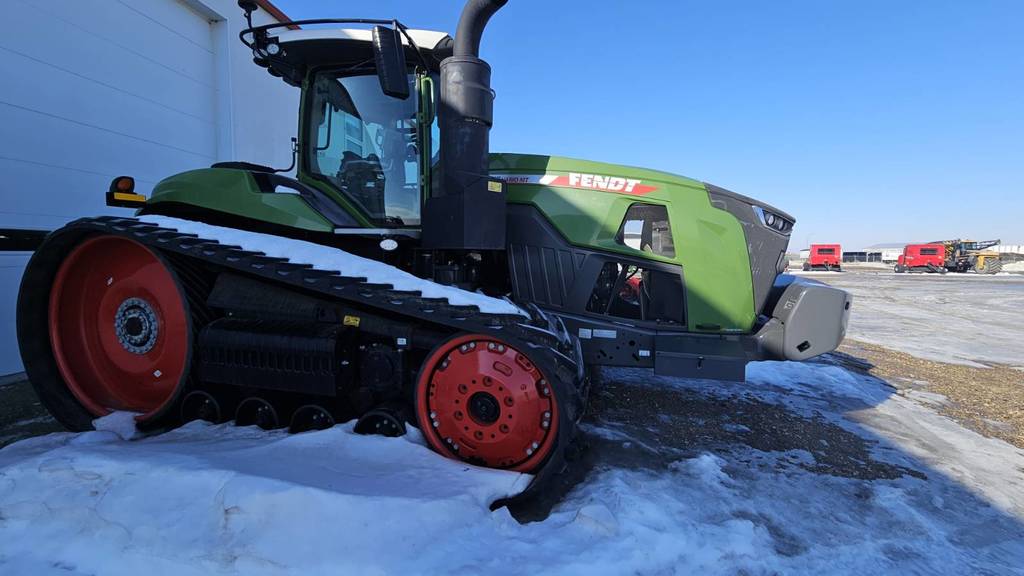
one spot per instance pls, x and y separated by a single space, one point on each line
962 318
806 468
1017 267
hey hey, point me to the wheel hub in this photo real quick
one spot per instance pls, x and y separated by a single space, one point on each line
484 408
136 326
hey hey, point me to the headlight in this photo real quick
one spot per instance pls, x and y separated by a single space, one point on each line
773 220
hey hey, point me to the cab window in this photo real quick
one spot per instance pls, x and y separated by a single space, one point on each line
365 145
646 228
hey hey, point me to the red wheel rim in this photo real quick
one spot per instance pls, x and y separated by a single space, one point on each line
109 283
482 401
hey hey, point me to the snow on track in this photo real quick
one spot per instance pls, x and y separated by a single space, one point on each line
224 500
328 258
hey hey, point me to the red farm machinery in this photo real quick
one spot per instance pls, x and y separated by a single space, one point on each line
950 256
827 257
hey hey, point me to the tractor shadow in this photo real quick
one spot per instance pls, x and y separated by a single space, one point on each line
632 426
639 422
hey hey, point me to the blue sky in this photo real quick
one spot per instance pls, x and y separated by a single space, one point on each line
869 120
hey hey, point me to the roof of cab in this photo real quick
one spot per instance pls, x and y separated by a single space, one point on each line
425 39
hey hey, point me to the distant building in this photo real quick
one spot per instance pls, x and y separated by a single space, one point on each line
862 256
891 254
1009 248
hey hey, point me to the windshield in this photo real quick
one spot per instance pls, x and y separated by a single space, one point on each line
365 144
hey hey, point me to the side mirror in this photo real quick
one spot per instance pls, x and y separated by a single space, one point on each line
389 56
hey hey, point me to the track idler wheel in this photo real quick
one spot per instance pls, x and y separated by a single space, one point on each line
119 328
484 402
387 420
199 405
256 411
310 417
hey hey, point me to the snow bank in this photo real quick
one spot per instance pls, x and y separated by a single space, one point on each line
328 258
121 424
219 499
224 500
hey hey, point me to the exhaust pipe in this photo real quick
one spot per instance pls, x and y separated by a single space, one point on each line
474 18
467 212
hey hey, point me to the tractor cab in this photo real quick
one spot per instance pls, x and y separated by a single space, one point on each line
368 134
395 123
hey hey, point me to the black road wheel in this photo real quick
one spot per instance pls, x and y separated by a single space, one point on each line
310 417
256 411
199 405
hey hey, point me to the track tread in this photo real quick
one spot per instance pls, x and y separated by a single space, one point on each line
355 289
556 354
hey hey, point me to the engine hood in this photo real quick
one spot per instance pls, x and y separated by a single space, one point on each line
606 177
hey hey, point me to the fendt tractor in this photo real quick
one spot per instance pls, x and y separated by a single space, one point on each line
180 313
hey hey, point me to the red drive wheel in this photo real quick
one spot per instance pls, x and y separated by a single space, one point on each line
484 402
119 327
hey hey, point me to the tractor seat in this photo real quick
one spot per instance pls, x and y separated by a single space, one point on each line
363 179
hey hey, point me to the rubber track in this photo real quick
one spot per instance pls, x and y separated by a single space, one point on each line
561 367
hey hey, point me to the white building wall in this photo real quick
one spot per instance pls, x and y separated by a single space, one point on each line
1009 248
96 89
891 254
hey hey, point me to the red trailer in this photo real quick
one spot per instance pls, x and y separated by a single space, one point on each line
825 257
922 258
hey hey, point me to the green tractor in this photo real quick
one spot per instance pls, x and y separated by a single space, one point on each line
406 274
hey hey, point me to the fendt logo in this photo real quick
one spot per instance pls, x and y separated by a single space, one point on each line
610 183
616 184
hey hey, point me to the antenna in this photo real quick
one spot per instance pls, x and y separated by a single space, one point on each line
248 6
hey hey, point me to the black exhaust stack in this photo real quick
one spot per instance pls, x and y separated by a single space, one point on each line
467 211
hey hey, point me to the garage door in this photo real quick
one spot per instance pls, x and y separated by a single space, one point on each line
92 90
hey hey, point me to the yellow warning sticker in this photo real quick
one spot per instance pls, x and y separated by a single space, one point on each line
129 197
351 321
493 186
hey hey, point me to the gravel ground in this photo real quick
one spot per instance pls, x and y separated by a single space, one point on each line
989 400
21 414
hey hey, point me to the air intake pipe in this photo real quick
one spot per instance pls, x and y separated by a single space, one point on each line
467 210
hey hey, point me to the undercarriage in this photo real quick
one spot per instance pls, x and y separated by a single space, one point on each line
177 327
